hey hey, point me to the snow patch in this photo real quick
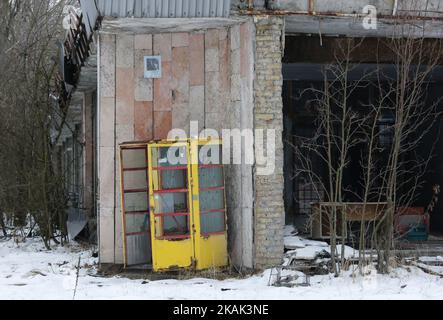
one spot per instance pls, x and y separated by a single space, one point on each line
290 231
29 271
431 259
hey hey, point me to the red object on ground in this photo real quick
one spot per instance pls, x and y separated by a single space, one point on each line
410 216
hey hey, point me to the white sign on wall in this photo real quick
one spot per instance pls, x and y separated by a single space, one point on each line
153 67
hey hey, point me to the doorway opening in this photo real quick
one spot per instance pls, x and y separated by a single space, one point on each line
304 64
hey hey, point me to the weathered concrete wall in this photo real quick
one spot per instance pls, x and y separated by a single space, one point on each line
430 8
327 6
268 115
239 187
346 18
106 147
207 76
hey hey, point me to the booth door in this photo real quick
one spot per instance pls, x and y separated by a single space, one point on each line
170 201
209 204
135 206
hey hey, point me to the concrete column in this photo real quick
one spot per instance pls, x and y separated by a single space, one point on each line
124 120
106 148
239 115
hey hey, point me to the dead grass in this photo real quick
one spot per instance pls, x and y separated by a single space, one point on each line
183 274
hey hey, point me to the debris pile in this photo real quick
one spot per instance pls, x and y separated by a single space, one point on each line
305 258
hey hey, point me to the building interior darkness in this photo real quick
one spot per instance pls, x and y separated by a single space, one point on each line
305 58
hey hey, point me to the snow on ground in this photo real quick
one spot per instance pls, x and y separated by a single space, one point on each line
29 271
293 241
311 252
437 259
304 249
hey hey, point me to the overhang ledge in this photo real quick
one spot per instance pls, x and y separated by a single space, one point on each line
165 25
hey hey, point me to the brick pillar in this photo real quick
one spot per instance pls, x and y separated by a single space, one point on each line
268 114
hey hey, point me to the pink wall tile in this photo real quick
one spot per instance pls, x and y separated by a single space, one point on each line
212 55
163 46
125 51
181 116
162 89
211 38
162 124
244 52
125 96
213 94
197 62
143 42
180 39
143 87
143 124
225 61
180 75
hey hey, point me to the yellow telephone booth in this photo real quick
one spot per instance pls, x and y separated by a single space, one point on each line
173 206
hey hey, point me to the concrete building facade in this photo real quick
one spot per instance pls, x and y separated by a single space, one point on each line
223 68
207 77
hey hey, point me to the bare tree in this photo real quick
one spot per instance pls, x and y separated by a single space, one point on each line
415 58
338 131
29 183
391 169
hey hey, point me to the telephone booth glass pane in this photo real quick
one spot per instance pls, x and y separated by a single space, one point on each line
212 193
210 177
137 223
212 200
135 180
134 158
135 205
212 223
135 202
170 176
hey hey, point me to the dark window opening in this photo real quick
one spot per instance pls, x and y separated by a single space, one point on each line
301 122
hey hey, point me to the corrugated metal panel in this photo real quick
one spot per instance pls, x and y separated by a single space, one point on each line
138 250
164 8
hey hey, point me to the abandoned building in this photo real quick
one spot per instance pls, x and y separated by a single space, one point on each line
143 68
